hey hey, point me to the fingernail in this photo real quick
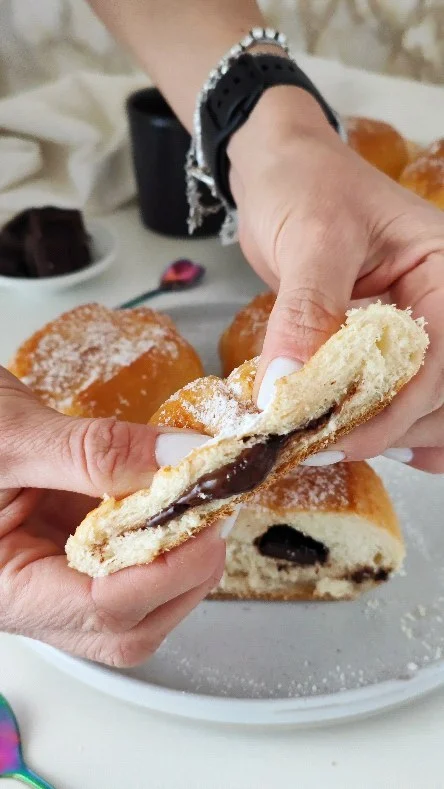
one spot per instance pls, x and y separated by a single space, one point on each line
324 458
171 448
278 368
402 455
227 524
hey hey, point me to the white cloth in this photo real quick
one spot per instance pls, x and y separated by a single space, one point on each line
67 143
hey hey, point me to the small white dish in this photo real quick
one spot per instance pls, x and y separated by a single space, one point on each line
104 249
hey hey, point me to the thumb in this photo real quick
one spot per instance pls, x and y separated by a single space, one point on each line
311 303
43 449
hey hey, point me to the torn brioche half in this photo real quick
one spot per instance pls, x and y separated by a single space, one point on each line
354 375
327 533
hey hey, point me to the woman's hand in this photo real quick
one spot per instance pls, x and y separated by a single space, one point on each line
322 227
119 620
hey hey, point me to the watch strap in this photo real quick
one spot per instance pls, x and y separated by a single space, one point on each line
231 101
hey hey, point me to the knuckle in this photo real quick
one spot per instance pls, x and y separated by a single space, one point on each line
103 447
129 650
306 316
106 621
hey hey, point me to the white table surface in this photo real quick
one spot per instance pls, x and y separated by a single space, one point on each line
80 739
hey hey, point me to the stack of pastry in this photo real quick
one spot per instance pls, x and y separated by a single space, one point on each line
336 540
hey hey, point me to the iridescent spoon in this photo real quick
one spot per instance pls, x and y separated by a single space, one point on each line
179 275
11 758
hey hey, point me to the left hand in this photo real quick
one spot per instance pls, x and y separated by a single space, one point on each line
323 227
121 619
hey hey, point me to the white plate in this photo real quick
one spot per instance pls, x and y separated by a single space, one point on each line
299 664
103 247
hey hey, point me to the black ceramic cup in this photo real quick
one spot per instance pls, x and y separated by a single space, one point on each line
159 147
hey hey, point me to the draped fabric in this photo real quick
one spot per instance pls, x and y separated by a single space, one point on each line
46 39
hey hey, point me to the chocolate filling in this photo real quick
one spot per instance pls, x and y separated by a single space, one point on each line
245 473
369 574
284 542
239 476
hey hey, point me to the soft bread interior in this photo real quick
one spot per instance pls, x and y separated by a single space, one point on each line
355 546
355 374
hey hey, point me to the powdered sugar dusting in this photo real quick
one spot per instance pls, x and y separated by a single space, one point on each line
92 343
211 406
308 487
426 172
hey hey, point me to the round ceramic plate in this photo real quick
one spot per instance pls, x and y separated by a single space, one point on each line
299 663
103 249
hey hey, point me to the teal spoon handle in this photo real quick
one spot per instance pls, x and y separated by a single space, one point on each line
149 294
32 779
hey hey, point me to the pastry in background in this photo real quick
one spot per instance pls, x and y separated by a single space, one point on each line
413 150
314 534
425 175
44 242
98 362
378 143
244 337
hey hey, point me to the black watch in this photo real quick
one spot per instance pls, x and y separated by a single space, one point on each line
234 97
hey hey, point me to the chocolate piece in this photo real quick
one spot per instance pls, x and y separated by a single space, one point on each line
284 542
43 242
369 574
239 476
56 242
12 253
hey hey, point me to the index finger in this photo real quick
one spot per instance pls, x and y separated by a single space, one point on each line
423 290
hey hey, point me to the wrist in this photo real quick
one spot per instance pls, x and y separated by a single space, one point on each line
284 112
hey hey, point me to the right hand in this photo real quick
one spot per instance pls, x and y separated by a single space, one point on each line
322 227
119 620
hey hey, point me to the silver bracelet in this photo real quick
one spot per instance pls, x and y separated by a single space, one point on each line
196 169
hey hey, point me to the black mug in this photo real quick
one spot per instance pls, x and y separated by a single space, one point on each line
159 146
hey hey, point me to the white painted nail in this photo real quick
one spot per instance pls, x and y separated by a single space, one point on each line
227 524
324 458
278 368
171 448
402 455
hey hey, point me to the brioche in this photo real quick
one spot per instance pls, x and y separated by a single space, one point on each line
425 174
378 143
98 362
313 534
244 337
350 378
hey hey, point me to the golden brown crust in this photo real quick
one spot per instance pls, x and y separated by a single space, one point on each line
425 175
301 593
344 488
378 143
413 150
97 362
244 337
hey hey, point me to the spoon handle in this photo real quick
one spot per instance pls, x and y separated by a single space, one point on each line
32 779
140 299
